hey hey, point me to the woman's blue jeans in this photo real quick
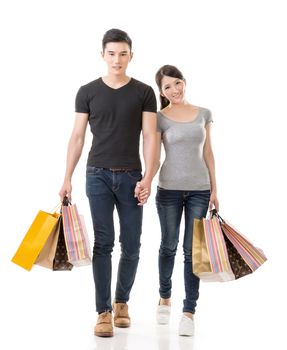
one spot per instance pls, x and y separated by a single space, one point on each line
106 190
170 206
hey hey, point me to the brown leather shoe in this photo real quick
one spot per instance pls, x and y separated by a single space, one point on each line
104 326
121 315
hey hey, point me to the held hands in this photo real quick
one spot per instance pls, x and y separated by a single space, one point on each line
142 191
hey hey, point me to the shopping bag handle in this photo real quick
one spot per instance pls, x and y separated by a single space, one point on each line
57 208
214 212
66 201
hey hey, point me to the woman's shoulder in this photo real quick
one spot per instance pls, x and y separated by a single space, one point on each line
206 113
204 110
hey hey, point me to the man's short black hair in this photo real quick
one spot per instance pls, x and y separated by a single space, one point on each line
116 36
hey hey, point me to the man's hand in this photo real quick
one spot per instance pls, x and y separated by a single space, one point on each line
66 190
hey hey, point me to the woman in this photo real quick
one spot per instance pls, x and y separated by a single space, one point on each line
186 185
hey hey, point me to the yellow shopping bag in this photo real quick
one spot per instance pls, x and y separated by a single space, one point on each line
35 239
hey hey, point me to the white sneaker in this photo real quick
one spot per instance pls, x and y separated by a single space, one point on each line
186 326
163 314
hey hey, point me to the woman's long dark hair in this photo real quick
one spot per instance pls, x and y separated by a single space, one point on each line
170 71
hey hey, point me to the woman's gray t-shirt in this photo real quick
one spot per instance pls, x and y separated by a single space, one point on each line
184 167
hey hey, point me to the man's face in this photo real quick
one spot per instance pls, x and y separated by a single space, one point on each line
117 56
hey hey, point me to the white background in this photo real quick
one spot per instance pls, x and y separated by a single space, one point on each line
233 55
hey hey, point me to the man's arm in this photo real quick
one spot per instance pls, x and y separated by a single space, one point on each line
75 148
149 154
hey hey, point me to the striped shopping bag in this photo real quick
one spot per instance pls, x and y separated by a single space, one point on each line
243 256
252 256
213 240
209 254
76 237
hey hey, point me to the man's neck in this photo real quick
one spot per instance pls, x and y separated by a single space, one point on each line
116 81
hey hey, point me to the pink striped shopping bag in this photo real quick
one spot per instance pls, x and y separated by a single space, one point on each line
209 254
253 256
76 237
243 256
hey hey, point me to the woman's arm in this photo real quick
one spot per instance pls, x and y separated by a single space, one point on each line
141 191
157 153
210 163
74 152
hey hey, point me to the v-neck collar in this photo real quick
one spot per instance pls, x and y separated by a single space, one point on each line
116 89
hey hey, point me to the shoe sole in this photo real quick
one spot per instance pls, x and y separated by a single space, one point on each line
122 325
104 334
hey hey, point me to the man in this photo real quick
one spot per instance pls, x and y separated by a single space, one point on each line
118 108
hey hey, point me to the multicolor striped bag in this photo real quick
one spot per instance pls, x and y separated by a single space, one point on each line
243 257
209 254
251 255
76 237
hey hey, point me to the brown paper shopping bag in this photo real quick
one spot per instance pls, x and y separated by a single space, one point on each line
54 253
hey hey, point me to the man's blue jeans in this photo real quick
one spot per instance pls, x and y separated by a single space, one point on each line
170 206
106 190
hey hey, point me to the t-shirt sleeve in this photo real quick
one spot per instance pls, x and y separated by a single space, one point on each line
208 117
81 103
149 104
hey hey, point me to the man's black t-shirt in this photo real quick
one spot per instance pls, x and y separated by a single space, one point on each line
115 117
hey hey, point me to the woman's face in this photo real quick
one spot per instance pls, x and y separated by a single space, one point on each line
173 89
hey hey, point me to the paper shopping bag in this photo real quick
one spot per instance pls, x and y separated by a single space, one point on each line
209 254
254 257
47 253
76 237
237 263
61 260
35 238
54 253
243 256
200 258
